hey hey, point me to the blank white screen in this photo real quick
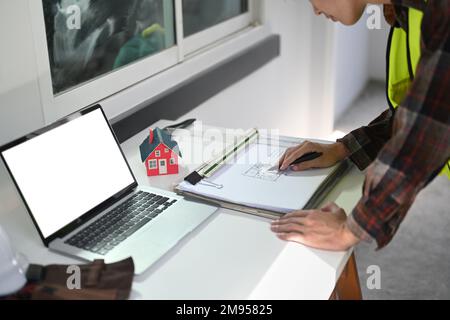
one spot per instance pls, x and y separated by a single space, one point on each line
69 170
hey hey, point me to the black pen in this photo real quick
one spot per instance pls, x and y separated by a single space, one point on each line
306 157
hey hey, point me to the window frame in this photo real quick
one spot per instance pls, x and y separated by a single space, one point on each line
152 161
106 86
218 32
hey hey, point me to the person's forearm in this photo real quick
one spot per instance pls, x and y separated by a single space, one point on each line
341 150
364 144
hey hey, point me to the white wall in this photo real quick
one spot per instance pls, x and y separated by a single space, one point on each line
351 56
20 106
359 56
377 52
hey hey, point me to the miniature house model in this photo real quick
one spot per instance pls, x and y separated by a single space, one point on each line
160 153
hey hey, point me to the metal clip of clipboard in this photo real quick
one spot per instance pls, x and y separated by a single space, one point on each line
210 167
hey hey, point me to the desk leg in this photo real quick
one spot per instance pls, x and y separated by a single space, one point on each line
348 287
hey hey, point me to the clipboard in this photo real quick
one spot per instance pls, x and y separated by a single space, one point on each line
219 165
210 167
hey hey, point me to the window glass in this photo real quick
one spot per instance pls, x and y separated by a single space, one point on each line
90 38
199 15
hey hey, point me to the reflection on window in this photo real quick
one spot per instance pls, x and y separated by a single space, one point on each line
89 38
199 15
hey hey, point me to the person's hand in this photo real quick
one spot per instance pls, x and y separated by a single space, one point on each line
331 154
321 229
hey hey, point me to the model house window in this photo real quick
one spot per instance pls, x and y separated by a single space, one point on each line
152 164
158 153
166 150
172 161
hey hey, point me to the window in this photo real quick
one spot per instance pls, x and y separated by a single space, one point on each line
152 164
199 15
88 39
158 153
166 150
87 51
172 161
206 22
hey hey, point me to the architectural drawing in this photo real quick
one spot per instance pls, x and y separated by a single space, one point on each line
262 171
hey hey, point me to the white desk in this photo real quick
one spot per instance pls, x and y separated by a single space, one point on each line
231 256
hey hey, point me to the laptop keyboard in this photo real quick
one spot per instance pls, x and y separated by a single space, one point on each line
114 227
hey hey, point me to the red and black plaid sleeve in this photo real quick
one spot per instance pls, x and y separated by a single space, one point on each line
365 143
420 143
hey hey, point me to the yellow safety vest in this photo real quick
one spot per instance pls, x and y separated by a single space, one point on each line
402 59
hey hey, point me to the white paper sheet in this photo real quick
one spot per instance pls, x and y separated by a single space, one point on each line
246 181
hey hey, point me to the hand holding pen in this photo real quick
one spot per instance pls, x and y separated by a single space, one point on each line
309 155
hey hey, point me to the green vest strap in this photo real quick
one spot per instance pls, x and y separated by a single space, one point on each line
399 78
403 57
414 33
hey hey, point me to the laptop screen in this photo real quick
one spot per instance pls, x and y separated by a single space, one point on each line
69 170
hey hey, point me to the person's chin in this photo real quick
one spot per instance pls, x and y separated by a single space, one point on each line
348 22
332 18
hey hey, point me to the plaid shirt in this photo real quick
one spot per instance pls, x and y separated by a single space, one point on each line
406 150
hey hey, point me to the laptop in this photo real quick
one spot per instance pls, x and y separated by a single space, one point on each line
84 199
